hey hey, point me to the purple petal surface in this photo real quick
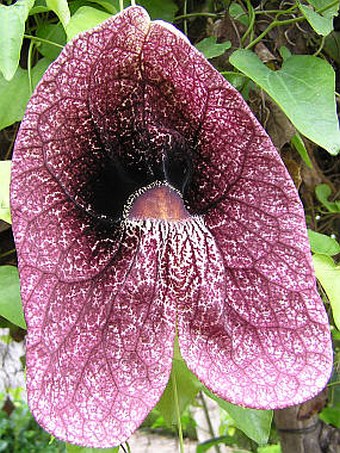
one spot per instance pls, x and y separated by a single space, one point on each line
127 105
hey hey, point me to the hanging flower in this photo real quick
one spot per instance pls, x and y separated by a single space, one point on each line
148 202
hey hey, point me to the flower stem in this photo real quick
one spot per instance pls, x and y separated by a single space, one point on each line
278 23
207 417
331 384
185 12
190 15
45 41
29 66
180 430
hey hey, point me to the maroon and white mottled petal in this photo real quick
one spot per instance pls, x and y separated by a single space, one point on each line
99 351
103 298
271 346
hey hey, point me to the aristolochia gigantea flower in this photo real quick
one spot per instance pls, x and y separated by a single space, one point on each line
148 202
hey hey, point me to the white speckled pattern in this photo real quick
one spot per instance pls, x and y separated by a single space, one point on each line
103 300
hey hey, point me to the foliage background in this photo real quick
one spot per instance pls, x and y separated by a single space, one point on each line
284 57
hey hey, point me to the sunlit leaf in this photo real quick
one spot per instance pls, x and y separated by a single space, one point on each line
54 33
299 145
187 388
10 301
328 274
332 46
208 444
14 94
323 192
210 48
5 176
85 18
254 423
304 89
321 23
165 10
12 26
237 12
321 243
330 415
61 9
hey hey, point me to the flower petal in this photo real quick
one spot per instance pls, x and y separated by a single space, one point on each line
270 344
103 294
99 346
99 351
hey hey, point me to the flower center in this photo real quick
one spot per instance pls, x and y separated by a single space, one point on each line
157 202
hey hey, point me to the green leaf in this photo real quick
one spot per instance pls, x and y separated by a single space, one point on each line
332 46
61 9
323 192
206 446
187 388
321 243
165 9
12 26
210 48
256 424
304 89
237 12
269 449
5 177
299 145
330 415
54 33
10 301
76 449
15 94
328 274
83 19
321 23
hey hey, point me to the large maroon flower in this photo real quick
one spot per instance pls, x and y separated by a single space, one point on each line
148 202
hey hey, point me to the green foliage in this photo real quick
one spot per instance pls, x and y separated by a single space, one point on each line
254 423
15 94
211 49
19 432
5 175
207 445
321 243
304 89
12 26
328 274
269 449
323 192
54 33
187 387
61 9
165 9
322 23
299 145
83 19
10 300
332 46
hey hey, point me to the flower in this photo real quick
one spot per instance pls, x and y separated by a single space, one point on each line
148 202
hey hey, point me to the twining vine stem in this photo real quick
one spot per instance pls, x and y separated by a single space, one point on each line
178 414
278 23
